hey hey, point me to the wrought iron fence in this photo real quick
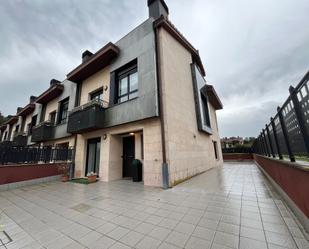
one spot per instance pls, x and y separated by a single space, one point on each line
287 134
35 154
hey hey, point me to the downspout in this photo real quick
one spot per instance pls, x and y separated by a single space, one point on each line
165 168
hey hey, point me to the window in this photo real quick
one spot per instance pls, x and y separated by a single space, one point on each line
17 128
63 111
97 95
216 149
32 124
52 117
205 110
127 84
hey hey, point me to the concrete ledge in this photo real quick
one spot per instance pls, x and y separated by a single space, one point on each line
237 157
291 181
9 186
18 173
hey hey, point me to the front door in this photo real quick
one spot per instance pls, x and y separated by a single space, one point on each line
128 155
93 156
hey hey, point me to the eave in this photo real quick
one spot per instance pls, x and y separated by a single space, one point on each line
99 60
28 109
213 97
10 121
173 31
51 93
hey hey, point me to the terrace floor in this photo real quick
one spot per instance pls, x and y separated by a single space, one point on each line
229 207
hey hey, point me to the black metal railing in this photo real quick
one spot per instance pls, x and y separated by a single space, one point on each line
35 154
287 134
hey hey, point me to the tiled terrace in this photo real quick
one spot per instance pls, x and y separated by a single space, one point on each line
229 207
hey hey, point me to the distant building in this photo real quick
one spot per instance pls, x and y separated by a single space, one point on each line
231 142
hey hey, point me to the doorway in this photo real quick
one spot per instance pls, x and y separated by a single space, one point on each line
93 155
128 156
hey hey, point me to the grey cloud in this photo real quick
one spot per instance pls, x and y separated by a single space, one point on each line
252 50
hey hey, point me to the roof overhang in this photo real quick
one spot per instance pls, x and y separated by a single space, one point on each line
26 110
97 61
51 93
213 97
173 31
10 121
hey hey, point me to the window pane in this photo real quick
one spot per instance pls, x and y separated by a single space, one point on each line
123 99
133 95
97 95
133 82
123 86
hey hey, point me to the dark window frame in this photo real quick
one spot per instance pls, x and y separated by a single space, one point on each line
52 118
215 144
125 73
96 93
63 109
32 124
205 110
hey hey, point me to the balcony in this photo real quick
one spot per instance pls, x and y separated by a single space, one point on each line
87 117
43 132
20 139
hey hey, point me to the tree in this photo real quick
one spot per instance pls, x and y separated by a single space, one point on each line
2 118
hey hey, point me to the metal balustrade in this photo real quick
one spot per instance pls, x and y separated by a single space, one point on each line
35 154
287 134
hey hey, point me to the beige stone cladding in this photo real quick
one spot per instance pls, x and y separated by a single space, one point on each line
100 79
111 151
189 152
51 106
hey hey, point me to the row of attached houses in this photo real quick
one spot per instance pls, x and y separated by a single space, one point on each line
143 97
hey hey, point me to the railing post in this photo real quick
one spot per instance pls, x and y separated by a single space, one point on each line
269 140
265 141
285 135
300 117
276 138
263 145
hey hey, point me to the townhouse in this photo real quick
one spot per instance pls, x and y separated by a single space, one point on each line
143 97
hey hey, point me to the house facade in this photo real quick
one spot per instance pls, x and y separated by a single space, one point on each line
143 97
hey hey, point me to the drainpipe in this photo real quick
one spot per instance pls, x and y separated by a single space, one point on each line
165 168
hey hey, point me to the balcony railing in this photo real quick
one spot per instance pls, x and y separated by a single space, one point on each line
87 117
43 132
94 102
20 138
35 154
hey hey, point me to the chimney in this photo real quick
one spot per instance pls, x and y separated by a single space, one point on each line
18 109
86 56
32 99
157 8
54 82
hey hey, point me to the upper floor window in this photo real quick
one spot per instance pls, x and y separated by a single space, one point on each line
32 124
52 117
206 117
97 95
63 111
127 84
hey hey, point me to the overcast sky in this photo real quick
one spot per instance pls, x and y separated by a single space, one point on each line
252 49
